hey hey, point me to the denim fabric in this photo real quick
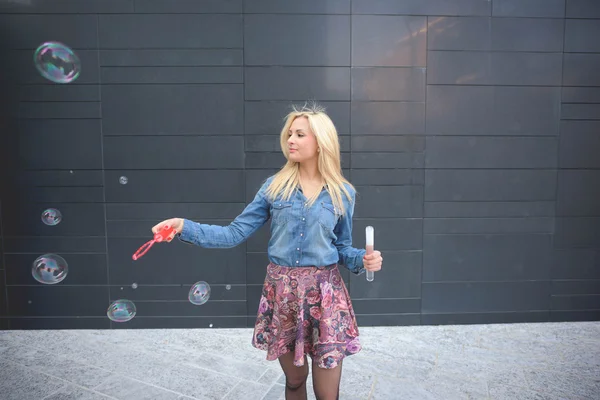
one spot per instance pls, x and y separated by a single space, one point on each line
300 236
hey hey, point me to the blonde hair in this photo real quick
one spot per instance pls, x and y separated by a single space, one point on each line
329 160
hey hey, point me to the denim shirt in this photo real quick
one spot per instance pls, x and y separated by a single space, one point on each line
300 236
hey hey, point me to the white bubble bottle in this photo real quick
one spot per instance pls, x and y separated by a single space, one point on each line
370 247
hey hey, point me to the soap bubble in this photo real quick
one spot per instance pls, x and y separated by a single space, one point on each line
228 287
57 62
123 180
134 285
50 269
121 311
51 217
199 293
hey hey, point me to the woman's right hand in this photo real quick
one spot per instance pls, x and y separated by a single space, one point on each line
176 223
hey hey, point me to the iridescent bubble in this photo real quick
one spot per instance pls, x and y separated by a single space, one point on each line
199 293
50 269
121 311
51 217
134 286
228 287
57 62
123 180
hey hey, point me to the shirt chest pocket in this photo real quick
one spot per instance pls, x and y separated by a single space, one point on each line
328 215
281 212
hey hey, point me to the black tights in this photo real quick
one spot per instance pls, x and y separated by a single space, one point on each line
326 382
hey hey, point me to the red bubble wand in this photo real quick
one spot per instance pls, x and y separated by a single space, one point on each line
159 236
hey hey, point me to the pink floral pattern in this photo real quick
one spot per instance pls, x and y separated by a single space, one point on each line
306 310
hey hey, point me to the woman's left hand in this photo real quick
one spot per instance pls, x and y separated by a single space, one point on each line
373 261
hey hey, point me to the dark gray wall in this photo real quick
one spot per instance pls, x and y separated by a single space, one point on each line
470 128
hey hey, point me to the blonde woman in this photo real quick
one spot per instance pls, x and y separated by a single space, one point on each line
305 308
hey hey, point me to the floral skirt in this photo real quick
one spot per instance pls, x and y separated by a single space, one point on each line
306 310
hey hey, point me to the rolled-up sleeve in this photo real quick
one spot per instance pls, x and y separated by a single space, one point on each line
252 218
349 257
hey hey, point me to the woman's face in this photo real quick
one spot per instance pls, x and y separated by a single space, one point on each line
302 143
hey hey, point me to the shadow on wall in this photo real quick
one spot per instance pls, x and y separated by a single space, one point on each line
8 150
